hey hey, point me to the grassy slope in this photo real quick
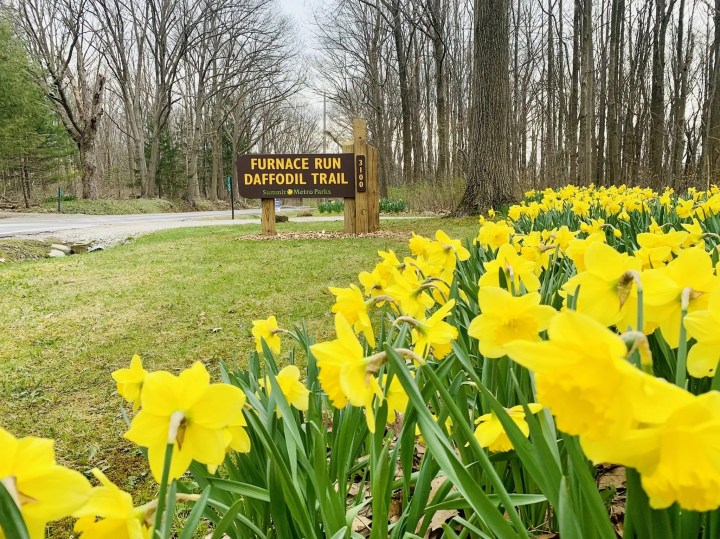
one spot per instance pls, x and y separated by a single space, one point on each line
13 250
68 323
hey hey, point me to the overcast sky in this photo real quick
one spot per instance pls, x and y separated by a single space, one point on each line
299 10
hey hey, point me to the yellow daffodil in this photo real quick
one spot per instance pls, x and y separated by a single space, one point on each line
372 282
410 293
654 258
704 325
451 246
687 469
493 235
505 318
351 303
666 198
561 237
296 394
375 282
581 352
42 489
692 272
577 247
130 381
118 518
418 244
491 434
190 413
606 289
344 373
434 333
594 226
395 397
685 208
659 244
444 253
696 235
266 330
712 205
515 212
517 270
679 459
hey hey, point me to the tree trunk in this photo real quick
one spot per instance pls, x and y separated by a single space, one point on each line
149 190
489 183
417 134
571 138
25 182
561 150
657 97
587 121
404 91
602 106
88 161
617 18
680 79
438 41
216 182
549 149
711 146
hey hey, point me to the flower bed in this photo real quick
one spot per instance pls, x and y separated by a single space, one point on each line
475 390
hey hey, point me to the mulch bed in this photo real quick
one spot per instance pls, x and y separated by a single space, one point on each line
322 235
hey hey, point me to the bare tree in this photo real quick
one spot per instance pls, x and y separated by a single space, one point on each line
59 35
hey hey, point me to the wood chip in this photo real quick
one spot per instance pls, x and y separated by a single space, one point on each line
323 235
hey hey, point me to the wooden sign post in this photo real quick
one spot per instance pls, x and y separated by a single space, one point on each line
362 213
351 175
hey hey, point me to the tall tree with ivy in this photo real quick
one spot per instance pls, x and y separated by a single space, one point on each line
31 138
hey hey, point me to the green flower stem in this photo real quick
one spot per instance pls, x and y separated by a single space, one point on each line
163 489
680 373
640 313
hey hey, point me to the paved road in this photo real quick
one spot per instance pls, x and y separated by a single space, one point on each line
78 226
24 224
110 229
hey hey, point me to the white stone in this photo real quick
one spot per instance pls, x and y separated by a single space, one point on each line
60 247
55 253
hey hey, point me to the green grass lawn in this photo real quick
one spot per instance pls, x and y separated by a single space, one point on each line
173 297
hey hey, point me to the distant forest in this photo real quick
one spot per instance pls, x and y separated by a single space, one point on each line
153 98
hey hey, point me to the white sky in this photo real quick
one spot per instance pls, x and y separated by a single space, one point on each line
301 14
299 11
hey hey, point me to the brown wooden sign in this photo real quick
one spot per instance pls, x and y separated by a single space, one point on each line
297 176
